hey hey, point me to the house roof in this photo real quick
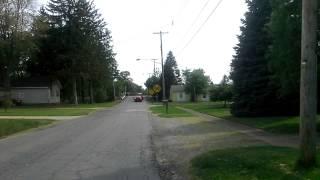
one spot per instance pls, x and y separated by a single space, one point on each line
177 88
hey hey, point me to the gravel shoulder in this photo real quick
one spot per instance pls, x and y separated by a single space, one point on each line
177 140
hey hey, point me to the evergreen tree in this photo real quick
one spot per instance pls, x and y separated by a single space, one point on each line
253 92
75 47
171 73
285 53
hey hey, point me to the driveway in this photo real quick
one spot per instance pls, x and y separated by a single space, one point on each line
110 144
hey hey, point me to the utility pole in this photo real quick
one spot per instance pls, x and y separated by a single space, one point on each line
161 49
308 89
164 98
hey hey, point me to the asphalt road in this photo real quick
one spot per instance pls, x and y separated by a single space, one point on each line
110 144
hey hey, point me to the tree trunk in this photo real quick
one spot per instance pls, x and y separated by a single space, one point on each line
82 91
194 97
114 90
7 84
74 89
308 91
91 92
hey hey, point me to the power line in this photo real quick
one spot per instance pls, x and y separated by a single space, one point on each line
202 25
186 3
197 17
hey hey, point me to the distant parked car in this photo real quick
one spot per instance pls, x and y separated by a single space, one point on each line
141 95
138 99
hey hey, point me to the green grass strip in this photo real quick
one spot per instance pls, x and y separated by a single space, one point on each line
265 162
12 126
172 112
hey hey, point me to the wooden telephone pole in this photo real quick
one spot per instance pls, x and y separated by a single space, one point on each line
164 98
162 65
308 89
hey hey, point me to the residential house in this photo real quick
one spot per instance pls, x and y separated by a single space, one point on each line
178 94
39 90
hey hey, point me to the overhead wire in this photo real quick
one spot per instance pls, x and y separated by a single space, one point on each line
197 18
202 25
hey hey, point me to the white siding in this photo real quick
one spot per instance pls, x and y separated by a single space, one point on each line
31 95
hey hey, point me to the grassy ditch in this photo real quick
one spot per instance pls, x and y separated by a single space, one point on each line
266 162
12 126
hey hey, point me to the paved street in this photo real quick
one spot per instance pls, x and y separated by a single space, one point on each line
109 144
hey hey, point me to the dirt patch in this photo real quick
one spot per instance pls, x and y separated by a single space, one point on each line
177 140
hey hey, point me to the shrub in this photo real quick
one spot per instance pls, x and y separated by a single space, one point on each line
7 103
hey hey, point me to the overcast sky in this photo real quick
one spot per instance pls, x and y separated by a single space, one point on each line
132 23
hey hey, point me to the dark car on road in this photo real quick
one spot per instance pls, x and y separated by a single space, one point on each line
138 99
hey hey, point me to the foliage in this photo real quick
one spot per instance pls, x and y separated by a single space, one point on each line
196 82
267 83
6 103
222 91
254 95
125 84
171 74
74 46
15 41
285 53
151 83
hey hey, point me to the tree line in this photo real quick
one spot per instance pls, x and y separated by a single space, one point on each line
67 40
266 67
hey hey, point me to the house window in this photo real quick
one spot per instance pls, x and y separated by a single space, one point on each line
204 96
181 95
58 93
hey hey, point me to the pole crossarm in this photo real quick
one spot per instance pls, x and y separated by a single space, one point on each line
154 60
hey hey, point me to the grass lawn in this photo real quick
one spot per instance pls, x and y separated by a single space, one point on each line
212 108
94 105
283 125
172 113
11 126
55 110
265 162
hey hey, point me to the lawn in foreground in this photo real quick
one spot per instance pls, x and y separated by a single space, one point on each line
55 110
281 125
11 126
265 162
172 112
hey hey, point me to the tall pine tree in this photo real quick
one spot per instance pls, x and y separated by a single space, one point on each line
253 92
284 54
171 73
